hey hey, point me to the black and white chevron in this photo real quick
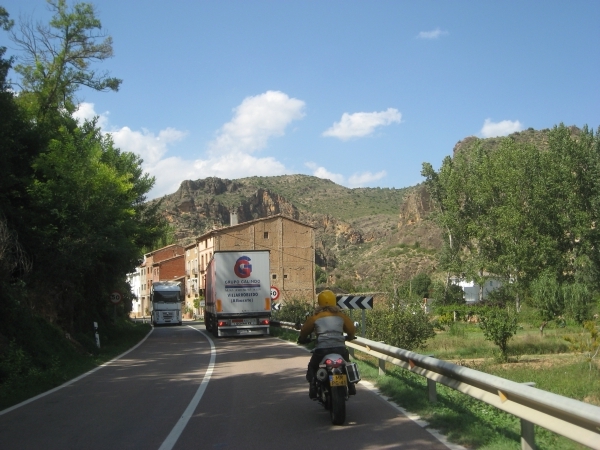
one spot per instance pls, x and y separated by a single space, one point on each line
355 301
276 306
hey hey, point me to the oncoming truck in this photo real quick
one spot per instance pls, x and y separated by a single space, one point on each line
238 293
165 302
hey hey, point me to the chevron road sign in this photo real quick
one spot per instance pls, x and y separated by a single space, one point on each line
355 301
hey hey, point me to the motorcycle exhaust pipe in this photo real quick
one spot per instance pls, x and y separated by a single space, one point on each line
321 374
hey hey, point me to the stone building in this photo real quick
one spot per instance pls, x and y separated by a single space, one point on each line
290 242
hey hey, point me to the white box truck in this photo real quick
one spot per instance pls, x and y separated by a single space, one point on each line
238 293
165 302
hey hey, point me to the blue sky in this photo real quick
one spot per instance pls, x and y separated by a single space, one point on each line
360 92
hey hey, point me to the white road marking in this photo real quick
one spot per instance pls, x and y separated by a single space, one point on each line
415 418
68 383
171 439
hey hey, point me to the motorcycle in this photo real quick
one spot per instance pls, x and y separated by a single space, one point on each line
335 380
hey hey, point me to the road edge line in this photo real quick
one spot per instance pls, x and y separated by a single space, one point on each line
414 417
173 436
68 383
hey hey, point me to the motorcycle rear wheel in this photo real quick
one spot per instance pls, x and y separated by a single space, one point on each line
338 405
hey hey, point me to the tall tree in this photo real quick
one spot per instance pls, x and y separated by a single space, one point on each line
57 58
83 199
520 210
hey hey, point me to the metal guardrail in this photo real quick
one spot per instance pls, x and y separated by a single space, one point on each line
571 418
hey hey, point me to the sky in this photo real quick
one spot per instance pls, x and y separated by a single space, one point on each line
358 92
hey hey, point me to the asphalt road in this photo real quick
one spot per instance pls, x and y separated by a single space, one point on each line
255 397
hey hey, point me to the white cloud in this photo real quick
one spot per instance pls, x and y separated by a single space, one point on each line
85 111
149 146
433 34
356 180
255 121
365 178
502 128
322 172
362 124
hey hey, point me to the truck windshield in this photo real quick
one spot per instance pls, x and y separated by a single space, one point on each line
167 297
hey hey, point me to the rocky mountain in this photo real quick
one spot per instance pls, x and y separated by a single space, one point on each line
363 235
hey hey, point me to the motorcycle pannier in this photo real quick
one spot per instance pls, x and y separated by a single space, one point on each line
352 372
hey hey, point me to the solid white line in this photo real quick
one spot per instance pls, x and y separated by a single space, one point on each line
415 418
187 414
68 383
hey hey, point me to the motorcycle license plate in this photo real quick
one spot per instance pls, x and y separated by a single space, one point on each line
337 380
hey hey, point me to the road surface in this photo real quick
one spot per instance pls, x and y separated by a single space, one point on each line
254 396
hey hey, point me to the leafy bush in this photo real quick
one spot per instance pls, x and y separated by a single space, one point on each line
421 284
346 285
293 310
499 326
320 275
587 343
405 326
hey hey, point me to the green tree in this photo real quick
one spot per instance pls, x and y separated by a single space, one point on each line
546 296
499 326
514 210
405 326
57 58
421 284
76 200
320 275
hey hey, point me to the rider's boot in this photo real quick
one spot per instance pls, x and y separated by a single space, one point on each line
312 390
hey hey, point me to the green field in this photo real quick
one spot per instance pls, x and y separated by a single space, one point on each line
545 360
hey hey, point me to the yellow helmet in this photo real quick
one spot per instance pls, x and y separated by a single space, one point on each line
327 298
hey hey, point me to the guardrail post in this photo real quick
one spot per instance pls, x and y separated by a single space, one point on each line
432 390
351 351
382 367
527 435
527 430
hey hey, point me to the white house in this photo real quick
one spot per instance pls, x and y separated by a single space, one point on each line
135 282
471 289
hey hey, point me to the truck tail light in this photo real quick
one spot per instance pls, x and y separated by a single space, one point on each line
264 322
222 323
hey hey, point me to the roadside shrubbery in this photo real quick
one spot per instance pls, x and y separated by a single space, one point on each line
405 325
293 310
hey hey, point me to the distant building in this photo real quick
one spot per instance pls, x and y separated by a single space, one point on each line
135 281
292 254
164 264
472 289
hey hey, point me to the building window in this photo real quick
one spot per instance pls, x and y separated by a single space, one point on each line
266 235
274 276
285 277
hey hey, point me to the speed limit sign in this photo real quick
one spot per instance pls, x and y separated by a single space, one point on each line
274 293
115 297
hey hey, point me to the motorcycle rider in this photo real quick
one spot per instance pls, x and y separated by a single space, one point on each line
329 324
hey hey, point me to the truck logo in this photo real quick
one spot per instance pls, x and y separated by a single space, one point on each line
243 268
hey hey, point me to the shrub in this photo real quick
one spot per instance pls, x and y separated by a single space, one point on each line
499 326
293 310
421 284
405 326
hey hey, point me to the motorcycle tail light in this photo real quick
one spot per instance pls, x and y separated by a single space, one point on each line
334 363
